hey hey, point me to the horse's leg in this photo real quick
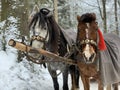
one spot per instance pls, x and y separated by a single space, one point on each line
54 78
72 73
77 74
86 82
115 86
100 86
65 79
74 77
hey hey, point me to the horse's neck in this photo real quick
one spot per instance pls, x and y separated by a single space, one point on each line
57 41
54 34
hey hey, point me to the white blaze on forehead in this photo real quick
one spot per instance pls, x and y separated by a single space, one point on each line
88 25
87 51
37 28
86 33
41 31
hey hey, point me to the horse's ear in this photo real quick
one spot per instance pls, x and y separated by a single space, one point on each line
93 16
36 9
78 18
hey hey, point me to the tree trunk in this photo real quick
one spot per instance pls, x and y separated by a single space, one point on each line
55 10
100 9
104 16
5 13
116 17
119 3
22 13
5 8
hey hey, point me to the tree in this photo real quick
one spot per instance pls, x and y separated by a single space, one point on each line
64 14
104 17
55 10
116 17
119 3
15 15
5 13
103 14
21 12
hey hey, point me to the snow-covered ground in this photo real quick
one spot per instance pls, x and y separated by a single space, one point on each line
25 75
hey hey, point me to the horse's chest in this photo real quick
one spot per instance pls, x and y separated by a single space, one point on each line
57 65
88 70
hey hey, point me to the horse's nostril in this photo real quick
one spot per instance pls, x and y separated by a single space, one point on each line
89 59
92 57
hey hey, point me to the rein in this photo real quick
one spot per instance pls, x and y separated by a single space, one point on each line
39 61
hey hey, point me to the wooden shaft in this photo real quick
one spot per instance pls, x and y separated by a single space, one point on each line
18 45
22 47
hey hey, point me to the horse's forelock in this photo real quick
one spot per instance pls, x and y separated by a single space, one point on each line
44 11
88 17
38 17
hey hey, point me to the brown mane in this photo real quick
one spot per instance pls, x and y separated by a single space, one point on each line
88 17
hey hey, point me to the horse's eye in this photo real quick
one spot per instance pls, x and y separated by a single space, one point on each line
44 28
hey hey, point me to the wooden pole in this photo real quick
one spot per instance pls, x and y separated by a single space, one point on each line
22 47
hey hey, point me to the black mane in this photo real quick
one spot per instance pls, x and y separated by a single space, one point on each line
38 16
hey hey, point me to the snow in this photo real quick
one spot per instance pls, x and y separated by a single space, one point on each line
21 76
26 75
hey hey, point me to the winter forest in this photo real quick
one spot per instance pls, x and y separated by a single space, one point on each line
16 73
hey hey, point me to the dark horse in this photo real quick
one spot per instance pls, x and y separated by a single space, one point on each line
49 36
97 56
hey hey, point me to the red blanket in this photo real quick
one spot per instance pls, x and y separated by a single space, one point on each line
101 44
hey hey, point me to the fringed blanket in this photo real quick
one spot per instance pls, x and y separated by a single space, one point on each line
110 60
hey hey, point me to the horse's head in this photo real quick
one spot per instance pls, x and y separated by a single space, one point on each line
39 29
45 31
87 38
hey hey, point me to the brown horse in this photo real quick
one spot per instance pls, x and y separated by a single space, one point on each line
88 56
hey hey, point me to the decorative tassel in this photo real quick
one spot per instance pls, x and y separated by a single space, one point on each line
101 45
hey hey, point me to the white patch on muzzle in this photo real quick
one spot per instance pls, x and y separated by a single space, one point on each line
37 44
87 52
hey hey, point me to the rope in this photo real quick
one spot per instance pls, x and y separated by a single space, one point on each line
39 61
